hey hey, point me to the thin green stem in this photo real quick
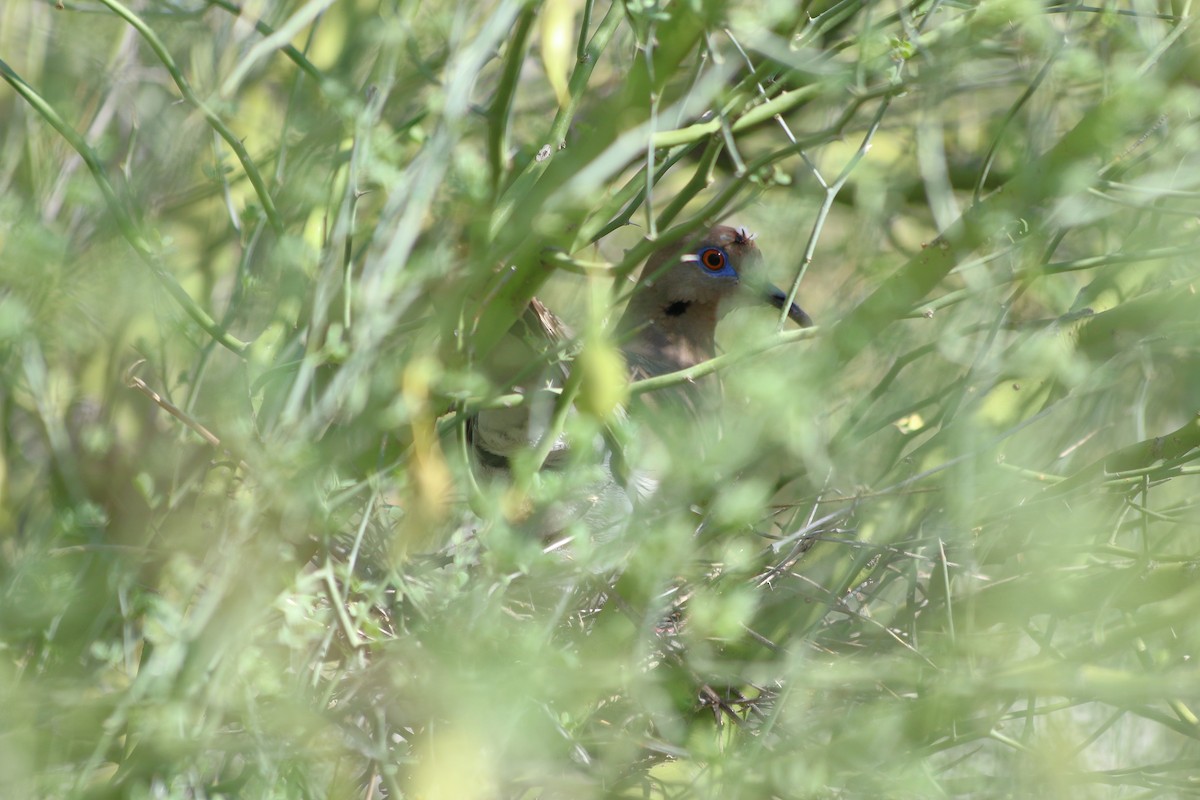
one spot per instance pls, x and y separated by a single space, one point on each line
278 39
217 124
702 178
831 193
562 120
129 228
291 52
501 107
720 362
630 196
1013 110
756 116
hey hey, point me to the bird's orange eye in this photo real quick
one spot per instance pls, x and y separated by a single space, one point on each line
713 258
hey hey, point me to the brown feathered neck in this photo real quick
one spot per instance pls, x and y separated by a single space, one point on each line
671 320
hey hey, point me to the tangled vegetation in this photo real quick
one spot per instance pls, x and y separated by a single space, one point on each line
258 266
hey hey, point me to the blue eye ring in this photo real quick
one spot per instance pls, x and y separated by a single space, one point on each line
713 259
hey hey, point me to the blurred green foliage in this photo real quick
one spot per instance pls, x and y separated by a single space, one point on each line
256 268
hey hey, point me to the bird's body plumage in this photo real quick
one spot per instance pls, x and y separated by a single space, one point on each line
669 324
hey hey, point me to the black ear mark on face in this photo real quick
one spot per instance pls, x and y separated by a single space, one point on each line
677 309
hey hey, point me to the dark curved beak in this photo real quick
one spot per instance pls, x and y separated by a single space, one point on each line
777 298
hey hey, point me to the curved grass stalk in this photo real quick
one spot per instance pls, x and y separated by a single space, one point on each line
210 116
129 228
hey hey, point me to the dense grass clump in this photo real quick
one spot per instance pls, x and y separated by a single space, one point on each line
259 265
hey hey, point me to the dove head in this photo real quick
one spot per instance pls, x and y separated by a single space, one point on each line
685 289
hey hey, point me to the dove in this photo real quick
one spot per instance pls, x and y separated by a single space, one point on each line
669 324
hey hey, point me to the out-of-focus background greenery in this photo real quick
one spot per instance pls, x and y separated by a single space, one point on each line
256 260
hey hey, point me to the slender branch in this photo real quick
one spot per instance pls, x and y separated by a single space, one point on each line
755 116
129 228
506 90
217 124
1053 174
291 52
562 120
720 362
831 193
